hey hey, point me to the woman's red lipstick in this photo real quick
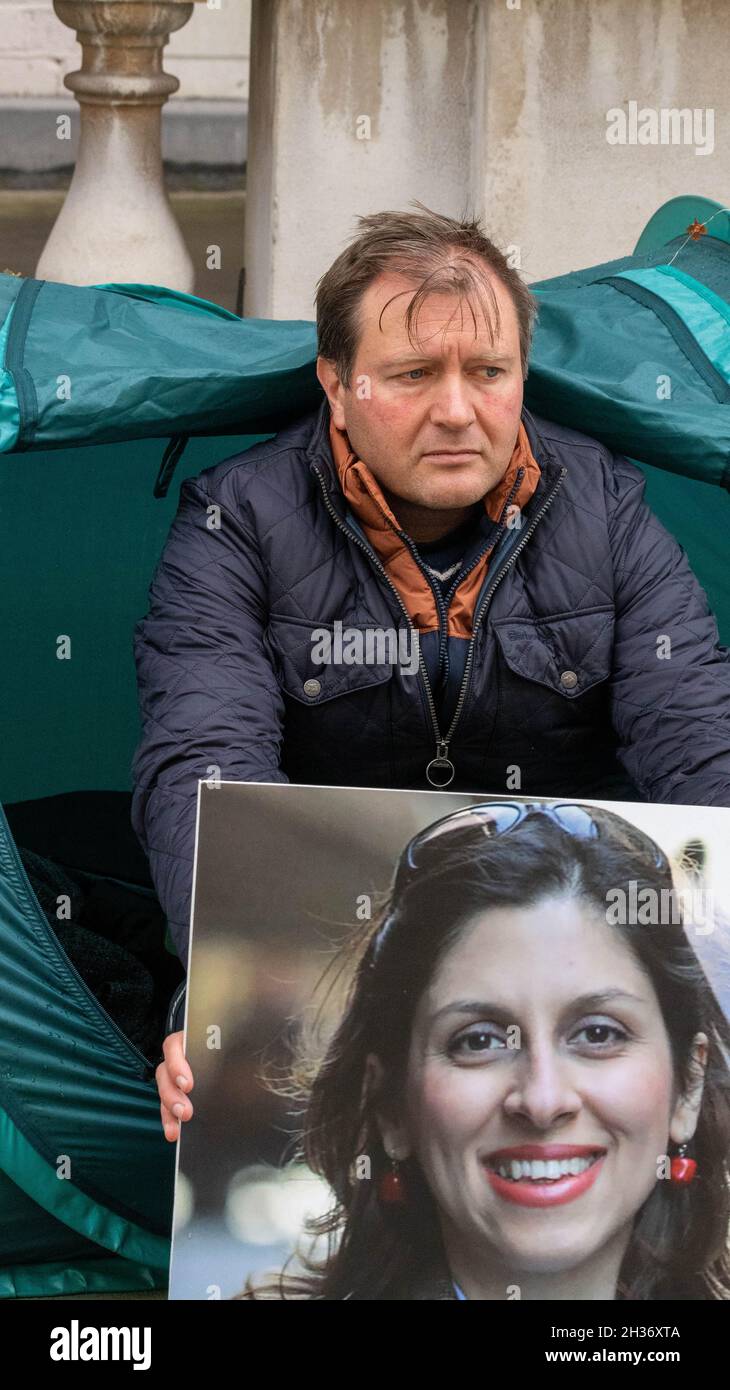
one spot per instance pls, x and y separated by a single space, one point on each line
543 1192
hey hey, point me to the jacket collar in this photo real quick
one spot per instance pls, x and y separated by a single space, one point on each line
368 501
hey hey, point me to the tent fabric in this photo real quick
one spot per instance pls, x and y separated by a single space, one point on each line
95 381
703 314
610 342
81 534
80 1132
63 1278
603 360
9 406
100 364
95 365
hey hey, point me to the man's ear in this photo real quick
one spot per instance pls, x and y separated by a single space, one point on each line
333 389
686 1111
393 1131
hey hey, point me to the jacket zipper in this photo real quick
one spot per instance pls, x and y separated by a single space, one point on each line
173 1006
489 546
443 603
442 760
485 604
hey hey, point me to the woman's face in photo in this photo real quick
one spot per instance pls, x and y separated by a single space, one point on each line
540 1093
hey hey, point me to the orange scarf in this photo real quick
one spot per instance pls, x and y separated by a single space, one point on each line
380 526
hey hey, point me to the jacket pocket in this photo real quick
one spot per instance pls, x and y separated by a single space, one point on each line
567 653
317 662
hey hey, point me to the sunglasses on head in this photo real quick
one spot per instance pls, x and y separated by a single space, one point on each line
498 818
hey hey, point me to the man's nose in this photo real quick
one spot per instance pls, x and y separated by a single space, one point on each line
452 405
542 1088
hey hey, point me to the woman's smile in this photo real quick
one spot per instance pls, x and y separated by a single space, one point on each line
534 1175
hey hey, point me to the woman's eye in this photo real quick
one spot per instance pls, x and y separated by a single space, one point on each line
476 1042
601 1035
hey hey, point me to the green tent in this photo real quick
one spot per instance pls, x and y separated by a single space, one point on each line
637 353
96 399
109 397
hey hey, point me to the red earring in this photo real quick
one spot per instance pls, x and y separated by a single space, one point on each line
392 1188
682 1169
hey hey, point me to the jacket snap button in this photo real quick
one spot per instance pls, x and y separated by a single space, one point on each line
312 688
569 680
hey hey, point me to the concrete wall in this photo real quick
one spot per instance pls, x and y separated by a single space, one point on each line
548 179
496 104
500 105
354 107
209 55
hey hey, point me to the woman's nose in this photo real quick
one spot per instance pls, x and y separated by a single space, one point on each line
542 1089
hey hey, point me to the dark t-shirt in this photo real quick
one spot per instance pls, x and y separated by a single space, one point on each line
443 558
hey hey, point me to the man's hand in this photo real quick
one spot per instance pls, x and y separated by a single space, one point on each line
174 1079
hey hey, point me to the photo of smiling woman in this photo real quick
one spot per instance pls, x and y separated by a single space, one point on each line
521 1099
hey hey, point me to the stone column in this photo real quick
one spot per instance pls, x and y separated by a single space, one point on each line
116 223
353 107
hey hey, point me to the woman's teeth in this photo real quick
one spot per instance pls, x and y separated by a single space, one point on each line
545 1170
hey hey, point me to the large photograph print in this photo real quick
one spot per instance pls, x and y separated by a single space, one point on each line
455 1047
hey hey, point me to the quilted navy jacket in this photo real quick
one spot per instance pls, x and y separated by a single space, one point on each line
568 678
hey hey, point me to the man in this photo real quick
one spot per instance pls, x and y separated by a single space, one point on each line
420 584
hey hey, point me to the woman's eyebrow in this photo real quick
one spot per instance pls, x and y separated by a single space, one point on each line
498 1012
597 998
501 1013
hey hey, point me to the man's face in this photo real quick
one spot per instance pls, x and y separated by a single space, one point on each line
436 422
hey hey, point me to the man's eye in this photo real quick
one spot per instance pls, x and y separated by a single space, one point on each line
493 372
476 1042
600 1035
412 374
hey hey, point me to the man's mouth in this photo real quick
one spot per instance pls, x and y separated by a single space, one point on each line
543 1175
452 453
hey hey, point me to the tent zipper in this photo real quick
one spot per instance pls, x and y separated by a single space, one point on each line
22 308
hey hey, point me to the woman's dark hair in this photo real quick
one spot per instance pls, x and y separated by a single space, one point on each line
679 1243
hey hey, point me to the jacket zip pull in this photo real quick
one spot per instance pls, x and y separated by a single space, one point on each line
440 770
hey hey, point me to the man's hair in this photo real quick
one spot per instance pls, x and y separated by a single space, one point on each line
443 254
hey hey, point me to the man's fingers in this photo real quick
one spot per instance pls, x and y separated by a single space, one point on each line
174 1079
170 1125
176 1061
178 1104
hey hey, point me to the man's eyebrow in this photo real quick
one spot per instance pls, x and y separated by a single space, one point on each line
584 1003
413 357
